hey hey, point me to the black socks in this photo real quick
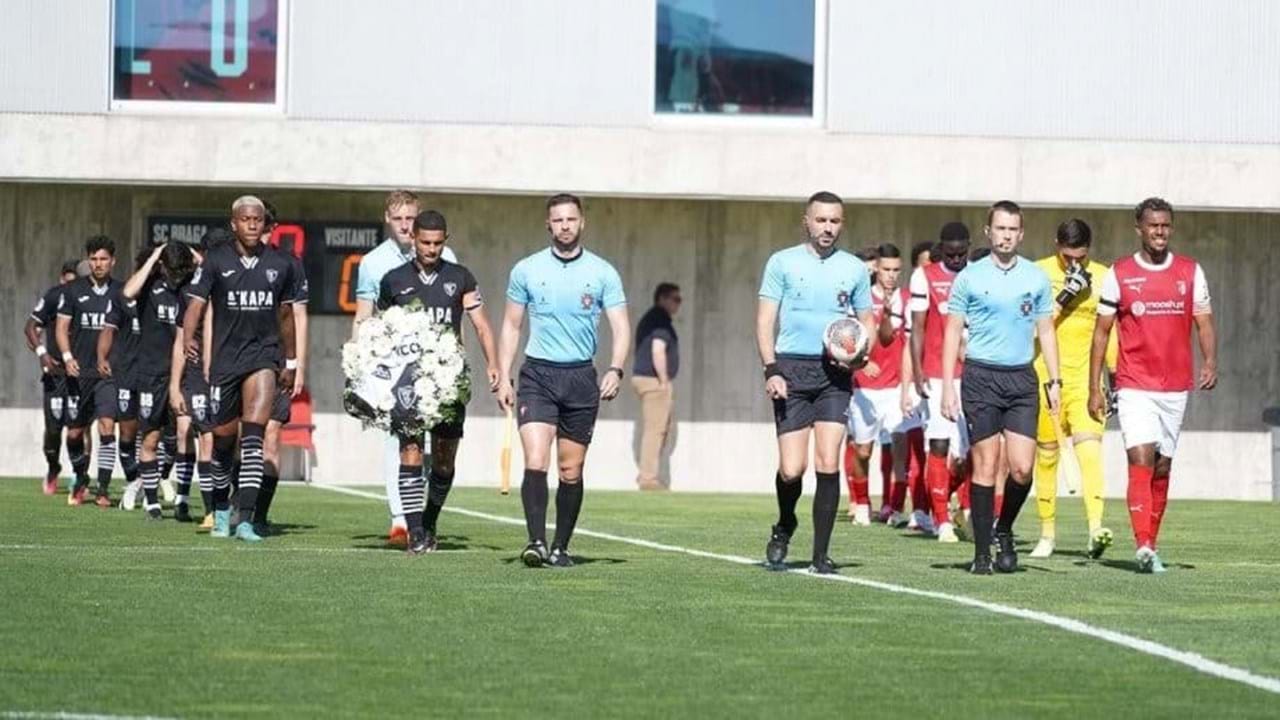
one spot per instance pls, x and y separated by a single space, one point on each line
788 496
826 505
533 494
568 505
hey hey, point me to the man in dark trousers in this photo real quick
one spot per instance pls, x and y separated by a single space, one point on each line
656 363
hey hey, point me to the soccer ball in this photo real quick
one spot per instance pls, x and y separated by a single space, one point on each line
847 341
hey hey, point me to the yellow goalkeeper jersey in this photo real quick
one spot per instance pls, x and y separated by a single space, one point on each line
1075 324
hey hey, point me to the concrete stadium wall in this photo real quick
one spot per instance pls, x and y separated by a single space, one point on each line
715 250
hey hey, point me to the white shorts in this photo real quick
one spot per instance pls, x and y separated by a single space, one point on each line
1148 417
875 415
938 427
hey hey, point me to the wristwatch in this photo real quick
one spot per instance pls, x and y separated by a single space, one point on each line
615 369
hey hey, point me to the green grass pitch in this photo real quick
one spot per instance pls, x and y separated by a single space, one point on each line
101 612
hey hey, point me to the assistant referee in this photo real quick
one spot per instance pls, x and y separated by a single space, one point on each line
1006 301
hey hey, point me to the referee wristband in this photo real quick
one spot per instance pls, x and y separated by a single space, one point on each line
290 363
41 351
67 356
771 370
615 369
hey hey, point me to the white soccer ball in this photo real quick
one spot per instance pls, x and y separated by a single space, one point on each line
847 341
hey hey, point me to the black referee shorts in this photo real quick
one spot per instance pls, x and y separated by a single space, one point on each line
566 395
817 391
996 398
53 388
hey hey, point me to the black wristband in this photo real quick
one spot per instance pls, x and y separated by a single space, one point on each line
770 370
615 369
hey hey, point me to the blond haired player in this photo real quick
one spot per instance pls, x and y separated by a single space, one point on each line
1076 281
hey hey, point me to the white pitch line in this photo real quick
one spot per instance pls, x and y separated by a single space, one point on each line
79 549
1195 661
62 715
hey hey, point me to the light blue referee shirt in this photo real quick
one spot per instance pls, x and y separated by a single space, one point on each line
382 260
1001 307
564 299
811 292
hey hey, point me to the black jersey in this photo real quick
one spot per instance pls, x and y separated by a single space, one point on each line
87 305
128 340
247 293
439 292
46 308
156 313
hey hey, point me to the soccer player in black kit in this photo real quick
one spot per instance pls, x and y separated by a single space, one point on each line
154 291
123 347
248 285
53 378
82 313
445 291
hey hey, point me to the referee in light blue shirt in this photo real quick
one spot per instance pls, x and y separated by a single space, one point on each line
804 288
563 289
1006 301
402 207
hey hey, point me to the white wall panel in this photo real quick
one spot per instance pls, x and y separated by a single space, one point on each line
1175 70
54 55
569 62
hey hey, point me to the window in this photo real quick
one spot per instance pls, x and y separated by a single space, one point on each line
727 57
197 53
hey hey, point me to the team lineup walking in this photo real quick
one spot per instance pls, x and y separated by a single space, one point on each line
974 378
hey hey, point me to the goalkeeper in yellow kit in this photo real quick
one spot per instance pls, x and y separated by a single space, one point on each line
1076 281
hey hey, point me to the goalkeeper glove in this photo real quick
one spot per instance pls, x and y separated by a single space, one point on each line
1077 281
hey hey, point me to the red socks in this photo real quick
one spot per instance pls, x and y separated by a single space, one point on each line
1141 503
1159 501
859 491
938 478
915 470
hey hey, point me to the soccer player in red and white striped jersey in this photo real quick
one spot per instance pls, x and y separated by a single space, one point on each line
948 441
875 412
1156 298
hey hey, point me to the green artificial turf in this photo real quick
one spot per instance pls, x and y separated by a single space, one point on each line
102 612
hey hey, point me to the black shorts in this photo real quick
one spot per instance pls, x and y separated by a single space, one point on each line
998 398
195 395
89 399
53 387
447 430
282 408
151 394
566 395
126 398
225 398
817 391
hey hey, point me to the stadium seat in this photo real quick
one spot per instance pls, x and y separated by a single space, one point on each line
296 435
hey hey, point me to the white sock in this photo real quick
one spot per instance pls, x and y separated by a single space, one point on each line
391 476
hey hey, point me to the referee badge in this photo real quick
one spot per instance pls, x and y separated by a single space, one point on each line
587 301
1025 307
842 298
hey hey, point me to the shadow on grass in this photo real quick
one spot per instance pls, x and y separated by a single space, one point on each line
443 542
1132 565
801 565
1022 568
577 560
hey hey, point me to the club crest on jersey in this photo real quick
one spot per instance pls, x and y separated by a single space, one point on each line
272 274
1138 308
450 288
1182 287
382 372
405 396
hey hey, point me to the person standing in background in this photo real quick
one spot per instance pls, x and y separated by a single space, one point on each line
657 360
